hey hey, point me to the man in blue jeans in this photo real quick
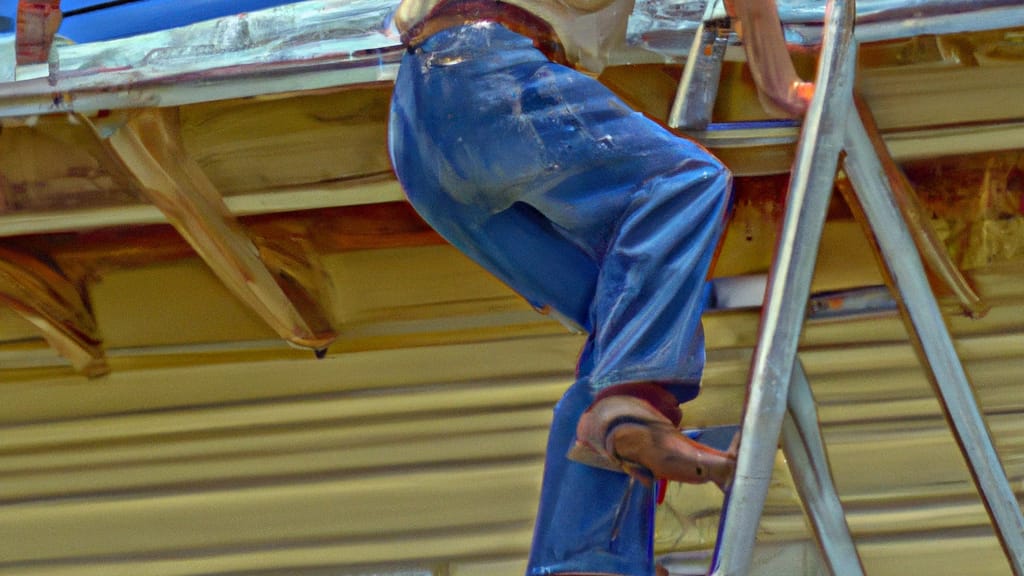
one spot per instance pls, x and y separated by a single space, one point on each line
589 210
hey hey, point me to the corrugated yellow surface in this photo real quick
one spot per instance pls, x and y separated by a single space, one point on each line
415 447
247 459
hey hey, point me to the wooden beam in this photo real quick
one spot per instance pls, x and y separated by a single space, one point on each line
53 304
93 253
328 197
148 144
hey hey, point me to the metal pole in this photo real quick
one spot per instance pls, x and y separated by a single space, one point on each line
695 97
788 290
931 338
808 463
932 250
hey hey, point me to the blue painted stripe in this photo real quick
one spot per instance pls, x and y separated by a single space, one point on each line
96 20
8 16
752 125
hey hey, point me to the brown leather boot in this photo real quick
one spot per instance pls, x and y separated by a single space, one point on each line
627 433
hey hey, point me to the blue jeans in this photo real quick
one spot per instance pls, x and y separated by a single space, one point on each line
582 205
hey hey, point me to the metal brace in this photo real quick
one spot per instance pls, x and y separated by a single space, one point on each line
698 88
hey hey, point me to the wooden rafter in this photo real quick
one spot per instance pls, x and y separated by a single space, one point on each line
52 303
149 146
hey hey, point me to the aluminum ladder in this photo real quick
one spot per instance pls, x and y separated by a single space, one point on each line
778 384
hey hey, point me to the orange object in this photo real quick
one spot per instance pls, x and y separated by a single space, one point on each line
38 21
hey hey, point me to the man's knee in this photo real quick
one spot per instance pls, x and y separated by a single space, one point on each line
706 181
720 180
728 198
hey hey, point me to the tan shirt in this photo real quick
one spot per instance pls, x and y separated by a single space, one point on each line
587 29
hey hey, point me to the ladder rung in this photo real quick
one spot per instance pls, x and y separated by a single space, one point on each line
808 464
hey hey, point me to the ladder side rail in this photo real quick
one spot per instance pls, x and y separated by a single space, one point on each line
788 290
808 463
698 87
923 317
933 251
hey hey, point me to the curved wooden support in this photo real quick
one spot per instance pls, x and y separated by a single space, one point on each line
288 251
149 146
782 92
932 250
50 301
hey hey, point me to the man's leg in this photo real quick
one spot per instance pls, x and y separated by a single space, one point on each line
589 520
646 312
550 182
645 315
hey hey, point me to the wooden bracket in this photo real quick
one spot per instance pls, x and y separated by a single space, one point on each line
288 251
52 303
148 144
933 252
